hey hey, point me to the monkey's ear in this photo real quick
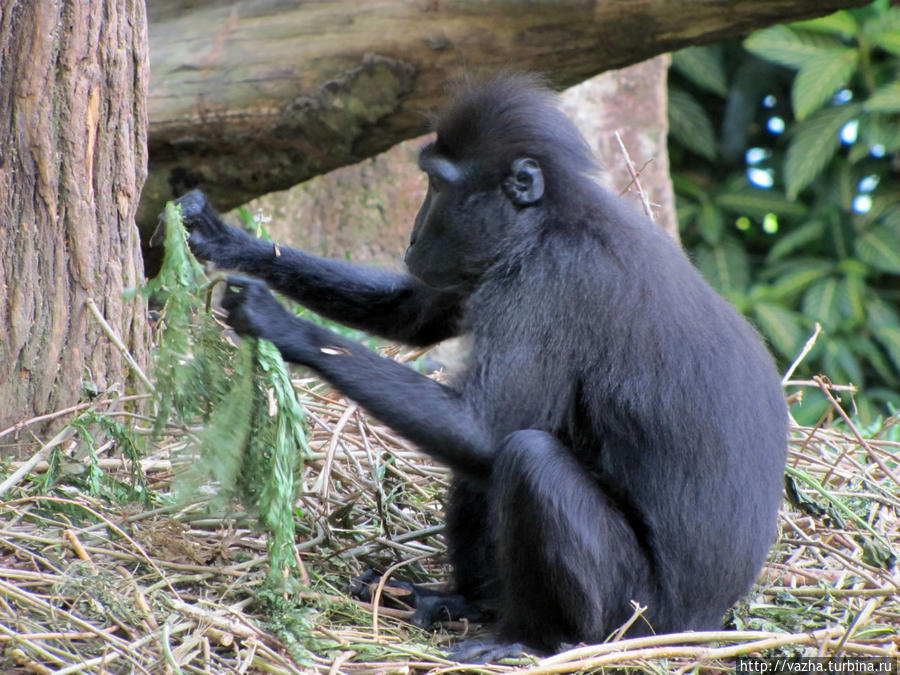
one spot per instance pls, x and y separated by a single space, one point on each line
525 184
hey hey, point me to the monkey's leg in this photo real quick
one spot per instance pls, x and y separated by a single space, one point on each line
470 541
568 558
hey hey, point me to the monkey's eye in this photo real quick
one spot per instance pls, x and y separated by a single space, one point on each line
436 183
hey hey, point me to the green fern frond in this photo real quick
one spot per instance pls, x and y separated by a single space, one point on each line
254 434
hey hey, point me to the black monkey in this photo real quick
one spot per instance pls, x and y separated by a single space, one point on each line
619 433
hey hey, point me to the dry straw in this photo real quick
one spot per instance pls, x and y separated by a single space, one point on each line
89 586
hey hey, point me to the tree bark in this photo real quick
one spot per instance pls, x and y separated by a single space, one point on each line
251 96
73 122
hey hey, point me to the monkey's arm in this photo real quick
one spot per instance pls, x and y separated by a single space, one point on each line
395 306
429 414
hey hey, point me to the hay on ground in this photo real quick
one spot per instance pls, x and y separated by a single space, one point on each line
91 585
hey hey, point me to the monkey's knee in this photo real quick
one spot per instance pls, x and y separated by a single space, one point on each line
527 444
526 448
529 459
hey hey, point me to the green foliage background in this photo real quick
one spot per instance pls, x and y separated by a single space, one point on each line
813 110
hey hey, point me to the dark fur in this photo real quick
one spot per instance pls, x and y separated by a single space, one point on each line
619 433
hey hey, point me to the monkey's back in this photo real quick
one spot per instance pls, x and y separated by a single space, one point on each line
663 390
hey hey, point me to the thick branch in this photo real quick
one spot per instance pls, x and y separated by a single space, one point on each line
250 96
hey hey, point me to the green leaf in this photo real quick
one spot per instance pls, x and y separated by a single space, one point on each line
880 313
889 338
891 218
781 327
851 298
725 266
686 212
841 22
690 125
886 99
800 275
819 79
689 186
884 323
283 460
867 411
816 141
880 248
756 203
703 67
795 239
789 47
180 268
840 362
710 222
890 42
880 129
822 303
884 30
868 350
225 437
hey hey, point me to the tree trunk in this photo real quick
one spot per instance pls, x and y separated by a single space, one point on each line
73 123
251 96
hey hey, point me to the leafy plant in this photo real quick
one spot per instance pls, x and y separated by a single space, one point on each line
190 367
791 206
253 438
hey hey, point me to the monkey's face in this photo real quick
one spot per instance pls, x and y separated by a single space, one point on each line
466 218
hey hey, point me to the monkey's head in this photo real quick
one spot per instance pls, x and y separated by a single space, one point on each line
503 155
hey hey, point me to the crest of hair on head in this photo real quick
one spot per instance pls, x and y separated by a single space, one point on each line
496 121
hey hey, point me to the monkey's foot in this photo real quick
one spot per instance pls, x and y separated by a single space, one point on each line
487 651
429 605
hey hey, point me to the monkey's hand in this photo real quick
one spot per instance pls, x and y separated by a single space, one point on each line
253 310
208 236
